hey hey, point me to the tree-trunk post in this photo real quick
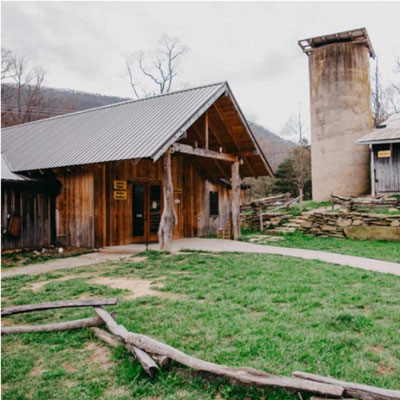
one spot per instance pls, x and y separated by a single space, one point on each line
301 194
235 201
168 217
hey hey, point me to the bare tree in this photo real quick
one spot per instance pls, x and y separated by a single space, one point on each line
296 129
393 91
21 94
157 70
380 110
295 171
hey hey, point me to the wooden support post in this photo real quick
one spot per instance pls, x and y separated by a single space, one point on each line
206 131
168 218
235 201
261 219
372 166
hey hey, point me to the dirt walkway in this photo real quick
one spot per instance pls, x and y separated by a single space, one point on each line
64 263
215 245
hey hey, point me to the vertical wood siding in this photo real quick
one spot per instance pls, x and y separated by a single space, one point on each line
387 168
75 208
34 205
87 215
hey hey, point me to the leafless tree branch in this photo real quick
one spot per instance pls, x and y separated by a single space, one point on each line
159 68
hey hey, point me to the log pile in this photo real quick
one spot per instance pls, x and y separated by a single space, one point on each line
266 202
254 215
353 203
149 352
334 224
253 221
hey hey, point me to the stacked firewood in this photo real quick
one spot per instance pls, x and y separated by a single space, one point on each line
269 220
255 215
154 355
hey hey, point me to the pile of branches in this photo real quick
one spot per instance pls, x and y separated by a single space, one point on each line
266 202
260 218
353 203
153 354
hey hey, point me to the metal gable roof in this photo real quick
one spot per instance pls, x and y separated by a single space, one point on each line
390 133
8 175
132 129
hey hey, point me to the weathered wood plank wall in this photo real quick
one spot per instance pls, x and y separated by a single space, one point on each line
75 207
387 168
35 205
87 215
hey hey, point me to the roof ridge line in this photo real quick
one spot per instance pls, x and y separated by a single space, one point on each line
114 105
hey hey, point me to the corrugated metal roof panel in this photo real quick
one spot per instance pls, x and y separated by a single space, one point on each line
8 175
128 130
389 134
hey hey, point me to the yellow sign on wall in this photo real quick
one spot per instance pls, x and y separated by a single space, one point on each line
384 153
120 185
120 195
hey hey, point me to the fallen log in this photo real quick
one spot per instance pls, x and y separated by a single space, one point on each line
163 361
243 375
106 337
356 390
60 326
58 304
148 364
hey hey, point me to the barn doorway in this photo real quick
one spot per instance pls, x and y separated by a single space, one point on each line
146 211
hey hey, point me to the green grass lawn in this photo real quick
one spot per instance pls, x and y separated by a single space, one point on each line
268 312
376 249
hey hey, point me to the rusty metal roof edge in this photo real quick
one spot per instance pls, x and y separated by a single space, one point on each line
180 132
249 130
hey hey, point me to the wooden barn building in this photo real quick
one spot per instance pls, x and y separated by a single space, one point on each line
137 171
384 144
27 210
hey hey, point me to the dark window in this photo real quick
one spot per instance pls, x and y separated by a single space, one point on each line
214 209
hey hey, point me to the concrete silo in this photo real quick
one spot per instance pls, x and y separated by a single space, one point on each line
340 112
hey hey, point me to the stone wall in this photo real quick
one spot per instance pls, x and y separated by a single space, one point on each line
354 225
251 221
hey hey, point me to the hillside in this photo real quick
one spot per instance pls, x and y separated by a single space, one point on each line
62 101
274 147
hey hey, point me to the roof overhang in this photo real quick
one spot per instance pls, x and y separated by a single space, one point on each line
359 35
225 90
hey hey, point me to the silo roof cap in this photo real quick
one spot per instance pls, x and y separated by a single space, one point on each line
359 35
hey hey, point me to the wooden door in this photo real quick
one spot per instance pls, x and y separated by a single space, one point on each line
146 211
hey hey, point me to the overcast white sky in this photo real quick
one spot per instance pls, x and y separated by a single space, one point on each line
253 45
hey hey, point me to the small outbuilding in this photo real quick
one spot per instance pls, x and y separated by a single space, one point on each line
162 167
27 210
384 143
